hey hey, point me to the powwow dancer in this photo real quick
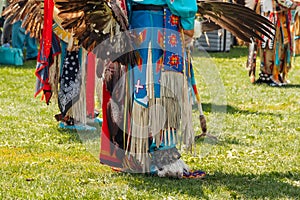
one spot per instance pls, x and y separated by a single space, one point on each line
146 102
143 116
275 52
296 31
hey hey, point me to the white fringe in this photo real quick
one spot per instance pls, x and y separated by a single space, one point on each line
157 119
186 120
78 110
140 134
172 112
177 101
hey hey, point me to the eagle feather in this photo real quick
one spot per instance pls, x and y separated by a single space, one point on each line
241 21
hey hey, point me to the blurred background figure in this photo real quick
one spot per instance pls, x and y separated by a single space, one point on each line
296 31
6 33
5 26
276 52
22 40
2 6
15 36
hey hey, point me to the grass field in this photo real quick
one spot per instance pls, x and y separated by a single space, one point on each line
257 155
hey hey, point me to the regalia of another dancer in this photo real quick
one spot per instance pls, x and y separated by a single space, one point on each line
296 30
276 52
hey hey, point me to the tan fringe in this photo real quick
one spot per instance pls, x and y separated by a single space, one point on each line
149 75
186 113
171 84
54 77
171 95
99 86
177 101
173 114
139 134
157 119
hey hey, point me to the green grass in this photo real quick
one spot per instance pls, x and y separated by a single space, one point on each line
257 155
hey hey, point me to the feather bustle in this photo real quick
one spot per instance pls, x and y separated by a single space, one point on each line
239 20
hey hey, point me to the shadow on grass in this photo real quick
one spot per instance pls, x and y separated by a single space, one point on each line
271 185
265 186
74 135
167 186
82 136
290 86
224 141
279 87
235 52
208 107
